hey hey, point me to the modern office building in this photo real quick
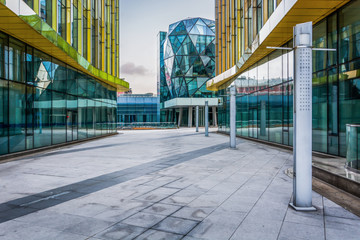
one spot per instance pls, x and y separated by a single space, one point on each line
264 77
137 108
186 63
59 71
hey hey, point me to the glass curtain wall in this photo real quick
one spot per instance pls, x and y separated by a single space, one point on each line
265 92
44 102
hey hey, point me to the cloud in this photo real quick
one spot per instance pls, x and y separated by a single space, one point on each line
131 69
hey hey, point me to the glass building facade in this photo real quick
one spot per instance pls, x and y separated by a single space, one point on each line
265 89
137 108
55 85
187 59
45 102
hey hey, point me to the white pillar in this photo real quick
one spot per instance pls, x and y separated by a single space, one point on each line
180 116
197 118
232 117
206 118
190 117
214 116
302 199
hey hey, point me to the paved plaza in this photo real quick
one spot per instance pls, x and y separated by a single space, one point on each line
161 184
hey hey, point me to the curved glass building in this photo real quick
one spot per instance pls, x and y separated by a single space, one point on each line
187 62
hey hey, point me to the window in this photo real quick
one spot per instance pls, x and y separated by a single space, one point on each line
45 11
61 14
75 25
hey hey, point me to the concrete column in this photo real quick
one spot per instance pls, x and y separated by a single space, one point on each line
180 116
197 118
206 118
232 117
190 117
214 116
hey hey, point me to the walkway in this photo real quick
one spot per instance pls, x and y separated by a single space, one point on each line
161 184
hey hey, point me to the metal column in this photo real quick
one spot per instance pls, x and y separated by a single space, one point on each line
302 199
206 118
190 117
197 118
180 117
232 117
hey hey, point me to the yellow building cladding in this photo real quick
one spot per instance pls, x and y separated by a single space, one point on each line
244 28
82 33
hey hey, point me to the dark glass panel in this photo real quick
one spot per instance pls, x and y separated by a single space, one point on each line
4 117
319 41
30 96
60 76
16 60
17 107
82 118
333 113
349 22
58 118
319 109
43 118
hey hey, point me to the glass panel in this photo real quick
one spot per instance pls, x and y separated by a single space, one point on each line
45 11
333 131
319 41
319 106
16 61
60 76
17 106
349 102
30 94
91 118
4 117
58 118
349 26
263 114
43 119
275 114
275 68
332 35
82 121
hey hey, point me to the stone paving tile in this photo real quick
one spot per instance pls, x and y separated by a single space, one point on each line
158 194
218 225
252 229
158 235
145 220
162 209
52 219
308 218
301 231
120 231
197 214
88 227
176 225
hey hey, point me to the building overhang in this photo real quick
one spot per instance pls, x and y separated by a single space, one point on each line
18 20
190 102
276 32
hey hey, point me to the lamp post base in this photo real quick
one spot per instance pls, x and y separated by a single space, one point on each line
304 209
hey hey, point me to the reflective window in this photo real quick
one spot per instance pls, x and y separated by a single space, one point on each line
45 11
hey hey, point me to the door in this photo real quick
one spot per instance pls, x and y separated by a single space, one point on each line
71 126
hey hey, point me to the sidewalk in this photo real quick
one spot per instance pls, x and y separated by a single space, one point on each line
161 184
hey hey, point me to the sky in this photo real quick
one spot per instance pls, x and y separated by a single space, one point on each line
140 23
